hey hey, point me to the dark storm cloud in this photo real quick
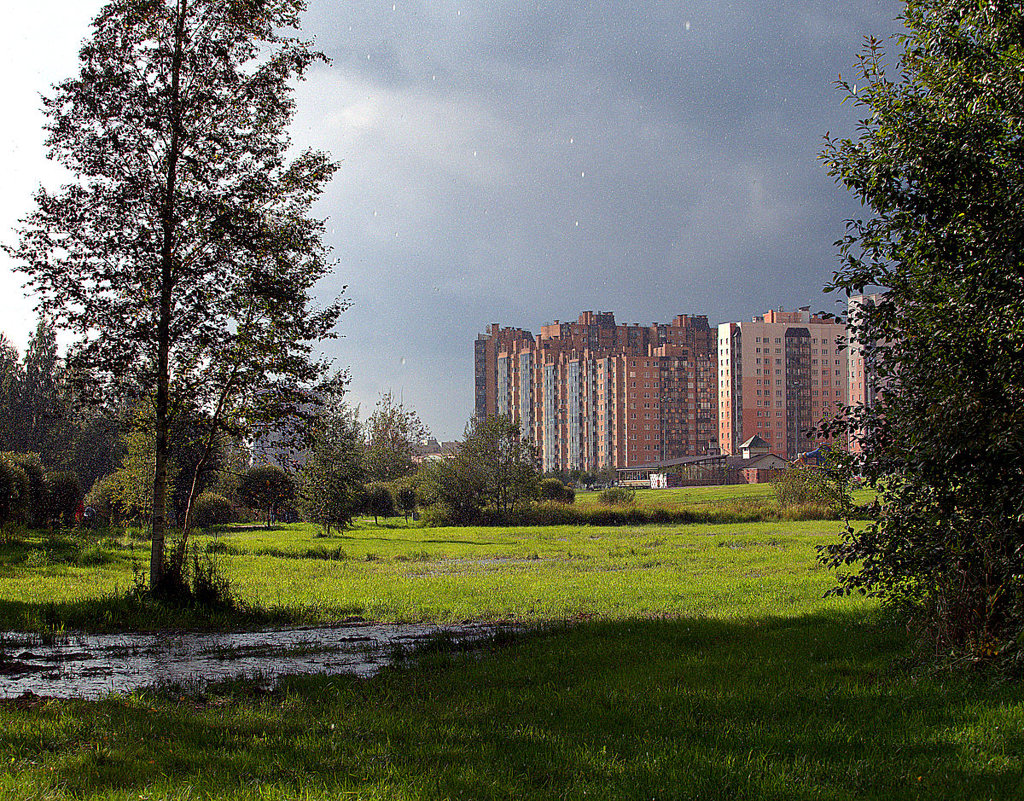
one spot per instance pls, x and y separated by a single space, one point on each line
515 162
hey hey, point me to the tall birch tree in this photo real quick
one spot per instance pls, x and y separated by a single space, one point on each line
181 254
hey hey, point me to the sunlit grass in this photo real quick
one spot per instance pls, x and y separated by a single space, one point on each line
438 574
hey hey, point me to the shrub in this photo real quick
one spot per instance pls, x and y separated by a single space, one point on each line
101 499
211 509
15 492
269 489
552 489
816 486
65 497
616 496
193 579
34 505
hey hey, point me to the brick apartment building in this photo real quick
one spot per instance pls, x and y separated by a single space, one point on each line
862 388
778 377
594 394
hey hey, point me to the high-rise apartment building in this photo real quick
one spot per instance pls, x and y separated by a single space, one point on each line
778 377
593 394
863 387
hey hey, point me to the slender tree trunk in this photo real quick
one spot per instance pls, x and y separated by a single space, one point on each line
163 379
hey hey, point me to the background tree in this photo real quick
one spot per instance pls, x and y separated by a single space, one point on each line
65 497
182 255
454 486
406 499
505 460
15 494
940 162
331 481
379 500
392 433
268 488
12 382
493 466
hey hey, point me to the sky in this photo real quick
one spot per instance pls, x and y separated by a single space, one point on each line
518 162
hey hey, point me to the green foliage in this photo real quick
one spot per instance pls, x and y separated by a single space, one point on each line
37 513
15 492
132 485
938 162
101 498
65 497
379 500
493 466
331 481
269 489
181 254
824 485
616 496
212 509
194 579
392 433
406 498
551 489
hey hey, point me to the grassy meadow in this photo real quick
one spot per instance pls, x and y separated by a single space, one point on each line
689 662
399 572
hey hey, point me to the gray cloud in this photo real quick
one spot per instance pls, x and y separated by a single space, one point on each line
520 161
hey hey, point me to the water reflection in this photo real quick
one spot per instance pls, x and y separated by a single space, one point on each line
90 666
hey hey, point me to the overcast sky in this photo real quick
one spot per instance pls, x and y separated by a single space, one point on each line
519 161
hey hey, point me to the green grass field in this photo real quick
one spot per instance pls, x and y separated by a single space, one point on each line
695 662
697 497
400 573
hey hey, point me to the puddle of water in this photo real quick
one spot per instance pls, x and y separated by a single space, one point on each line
91 666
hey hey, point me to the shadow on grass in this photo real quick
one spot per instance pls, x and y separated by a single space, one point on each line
130 611
816 707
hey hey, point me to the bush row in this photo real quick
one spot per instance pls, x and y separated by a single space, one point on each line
560 514
31 496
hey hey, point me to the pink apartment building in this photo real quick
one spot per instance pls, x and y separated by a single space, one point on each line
778 376
593 394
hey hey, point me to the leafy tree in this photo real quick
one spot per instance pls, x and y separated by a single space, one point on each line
212 509
940 162
132 491
65 496
493 466
392 432
12 380
504 458
453 484
269 488
379 500
406 499
331 481
182 255
45 402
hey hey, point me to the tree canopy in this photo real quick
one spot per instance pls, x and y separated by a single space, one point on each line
182 255
392 433
940 163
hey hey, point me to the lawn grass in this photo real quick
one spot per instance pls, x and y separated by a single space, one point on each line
399 573
698 497
696 662
802 706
